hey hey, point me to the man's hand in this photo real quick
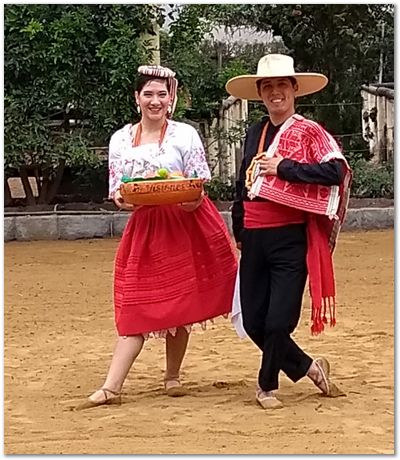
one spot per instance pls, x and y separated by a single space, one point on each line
269 166
239 245
120 203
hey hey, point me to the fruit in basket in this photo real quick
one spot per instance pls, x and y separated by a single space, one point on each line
162 188
176 175
163 172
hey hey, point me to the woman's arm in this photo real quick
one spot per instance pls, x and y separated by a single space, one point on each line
115 170
194 157
195 165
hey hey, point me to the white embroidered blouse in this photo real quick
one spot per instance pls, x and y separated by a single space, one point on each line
181 150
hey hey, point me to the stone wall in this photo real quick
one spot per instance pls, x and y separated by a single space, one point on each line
72 226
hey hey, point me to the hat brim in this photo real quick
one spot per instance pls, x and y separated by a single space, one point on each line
244 86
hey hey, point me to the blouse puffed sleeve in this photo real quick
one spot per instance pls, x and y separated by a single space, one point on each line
115 165
194 158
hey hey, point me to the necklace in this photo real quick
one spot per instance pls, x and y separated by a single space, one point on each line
138 135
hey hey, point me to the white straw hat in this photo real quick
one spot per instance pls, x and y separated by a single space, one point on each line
275 66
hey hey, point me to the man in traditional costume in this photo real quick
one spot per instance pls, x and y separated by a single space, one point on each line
291 198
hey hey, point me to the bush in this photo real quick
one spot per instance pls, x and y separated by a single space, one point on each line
372 180
92 182
218 190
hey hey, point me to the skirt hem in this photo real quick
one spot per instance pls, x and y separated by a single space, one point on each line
162 334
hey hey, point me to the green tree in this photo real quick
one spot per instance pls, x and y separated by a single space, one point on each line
342 41
69 72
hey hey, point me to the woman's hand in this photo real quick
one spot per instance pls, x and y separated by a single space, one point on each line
191 205
120 203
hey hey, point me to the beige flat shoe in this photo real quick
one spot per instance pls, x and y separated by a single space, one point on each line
174 388
329 388
108 400
322 381
268 400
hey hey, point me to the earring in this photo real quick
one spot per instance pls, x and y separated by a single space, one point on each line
138 109
169 110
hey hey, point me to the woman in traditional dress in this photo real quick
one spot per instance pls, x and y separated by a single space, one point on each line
175 265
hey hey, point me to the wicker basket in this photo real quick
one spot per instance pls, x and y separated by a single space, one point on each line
156 192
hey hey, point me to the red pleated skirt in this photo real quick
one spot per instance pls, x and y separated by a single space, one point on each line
173 268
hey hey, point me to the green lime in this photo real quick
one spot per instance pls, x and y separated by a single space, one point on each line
163 172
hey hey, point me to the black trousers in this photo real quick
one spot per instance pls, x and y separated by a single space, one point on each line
273 274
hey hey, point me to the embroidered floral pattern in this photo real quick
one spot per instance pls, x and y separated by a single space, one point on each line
181 150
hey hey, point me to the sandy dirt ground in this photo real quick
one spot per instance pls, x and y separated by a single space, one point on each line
59 335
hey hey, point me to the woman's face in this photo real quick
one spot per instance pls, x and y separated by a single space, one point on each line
154 100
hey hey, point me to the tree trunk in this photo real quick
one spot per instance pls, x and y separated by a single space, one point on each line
55 184
42 199
38 181
30 199
153 37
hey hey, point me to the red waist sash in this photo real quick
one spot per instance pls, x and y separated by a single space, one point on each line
264 214
319 258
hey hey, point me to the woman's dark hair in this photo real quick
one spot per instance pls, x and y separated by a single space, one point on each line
142 80
258 82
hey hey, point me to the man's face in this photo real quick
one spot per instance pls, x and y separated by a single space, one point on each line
278 96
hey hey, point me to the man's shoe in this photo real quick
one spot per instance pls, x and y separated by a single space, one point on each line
323 381
268 400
